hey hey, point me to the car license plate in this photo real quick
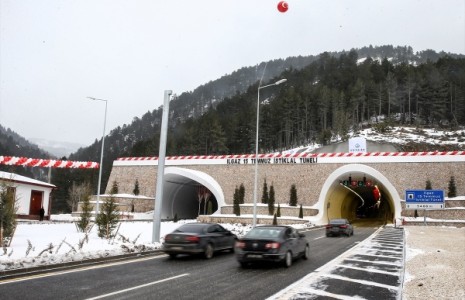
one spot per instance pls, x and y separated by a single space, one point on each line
254 256
176 248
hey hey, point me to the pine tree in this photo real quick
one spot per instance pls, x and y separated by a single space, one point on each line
107 219
293 196
301 212
271 201
265 195
278 212
114 188
136 190
428 185
86 214
452 188
275 220
175 220
236 200
8 209
241 193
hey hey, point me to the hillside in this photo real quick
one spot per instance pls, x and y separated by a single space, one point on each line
327 97
12 144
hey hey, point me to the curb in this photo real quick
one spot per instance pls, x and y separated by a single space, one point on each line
16 273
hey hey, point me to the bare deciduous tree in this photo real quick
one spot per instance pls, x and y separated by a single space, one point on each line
77 193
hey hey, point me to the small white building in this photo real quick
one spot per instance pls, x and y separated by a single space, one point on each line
30 194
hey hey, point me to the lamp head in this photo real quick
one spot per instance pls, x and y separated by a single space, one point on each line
280 81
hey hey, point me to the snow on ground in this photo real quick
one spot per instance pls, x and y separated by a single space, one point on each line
398 135
44 243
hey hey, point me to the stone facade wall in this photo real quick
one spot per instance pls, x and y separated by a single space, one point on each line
263 210
449 213
308 178
124 203
242 220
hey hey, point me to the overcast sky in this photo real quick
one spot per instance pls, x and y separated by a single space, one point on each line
55 53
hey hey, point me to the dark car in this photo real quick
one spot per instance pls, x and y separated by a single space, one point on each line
199 238
338 227
280 244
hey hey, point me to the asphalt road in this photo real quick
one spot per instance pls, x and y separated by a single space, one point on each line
158 277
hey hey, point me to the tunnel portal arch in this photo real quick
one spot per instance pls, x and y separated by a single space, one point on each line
180 193
337 201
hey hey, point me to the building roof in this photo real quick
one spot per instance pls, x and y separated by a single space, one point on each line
5 176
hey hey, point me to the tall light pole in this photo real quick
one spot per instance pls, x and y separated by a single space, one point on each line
254 223
161 169
101 154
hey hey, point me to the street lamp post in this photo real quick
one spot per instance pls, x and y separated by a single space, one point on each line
101 154
161 169
254 223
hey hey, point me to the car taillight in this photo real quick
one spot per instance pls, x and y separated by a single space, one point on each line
343 226
328 226
168 237
240 245
272 245
192 239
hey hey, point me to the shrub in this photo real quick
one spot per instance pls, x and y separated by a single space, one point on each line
265 195
136 190
241 193
107 219
452 188
271 201
86 213
236 200
275 220
293 196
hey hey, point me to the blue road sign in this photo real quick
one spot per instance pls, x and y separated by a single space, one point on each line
423 199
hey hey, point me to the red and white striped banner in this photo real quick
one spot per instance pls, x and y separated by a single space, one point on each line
298 155
46 163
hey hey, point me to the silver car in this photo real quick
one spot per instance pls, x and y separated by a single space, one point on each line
338 227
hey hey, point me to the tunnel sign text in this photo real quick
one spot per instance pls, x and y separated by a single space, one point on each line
424 199
273 160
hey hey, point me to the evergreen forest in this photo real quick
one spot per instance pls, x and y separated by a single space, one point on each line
325 97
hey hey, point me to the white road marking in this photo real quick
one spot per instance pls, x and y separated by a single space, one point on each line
364 282
78 269
138 287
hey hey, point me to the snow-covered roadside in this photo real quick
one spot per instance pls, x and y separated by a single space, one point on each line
435 263
45 243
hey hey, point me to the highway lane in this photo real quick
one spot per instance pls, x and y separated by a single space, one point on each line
186 277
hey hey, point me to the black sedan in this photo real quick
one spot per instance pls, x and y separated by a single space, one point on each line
281 244
199 238
338 227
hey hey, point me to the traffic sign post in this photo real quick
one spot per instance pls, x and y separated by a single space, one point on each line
424 199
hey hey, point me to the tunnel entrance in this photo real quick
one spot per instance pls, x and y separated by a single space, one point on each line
367 205
189 193
360 194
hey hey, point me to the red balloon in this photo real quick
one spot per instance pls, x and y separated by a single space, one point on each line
283 6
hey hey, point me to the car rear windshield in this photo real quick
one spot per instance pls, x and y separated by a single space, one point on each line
337 221
191 228
263 233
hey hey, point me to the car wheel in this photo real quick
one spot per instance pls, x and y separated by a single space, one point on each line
244 264
328 235
208 251
172 255
288 259
306 254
